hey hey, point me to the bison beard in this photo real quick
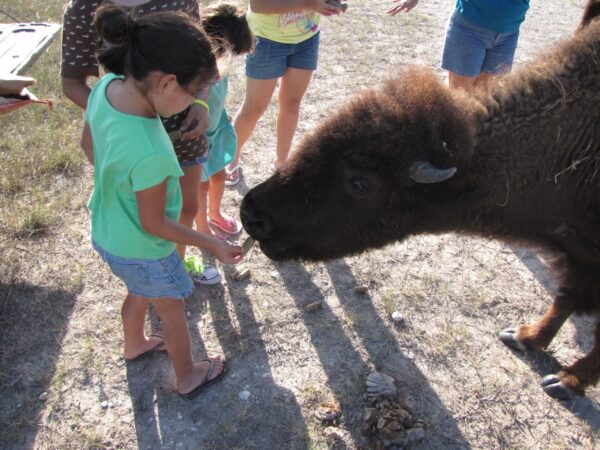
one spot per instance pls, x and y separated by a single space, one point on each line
519 163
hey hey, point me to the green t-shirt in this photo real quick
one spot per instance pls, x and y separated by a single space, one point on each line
222 140
131 153
287 28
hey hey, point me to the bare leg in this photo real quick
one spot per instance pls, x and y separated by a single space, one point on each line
483 80
133 315
293 87
189 192
177 340
215 195
201 219
459 82
256 102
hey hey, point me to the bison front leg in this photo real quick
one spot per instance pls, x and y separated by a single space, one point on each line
538 335
574 379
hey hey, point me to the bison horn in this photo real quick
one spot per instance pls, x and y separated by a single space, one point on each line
425 172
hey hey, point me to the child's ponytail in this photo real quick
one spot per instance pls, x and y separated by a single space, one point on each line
227 26
165 41
115 27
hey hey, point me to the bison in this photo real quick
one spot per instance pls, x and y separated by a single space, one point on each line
520 162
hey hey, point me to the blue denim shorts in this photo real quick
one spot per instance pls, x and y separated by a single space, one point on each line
271 59
195 162
151 278
470 49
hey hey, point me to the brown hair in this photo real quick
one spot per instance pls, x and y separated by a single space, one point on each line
166 41
228 28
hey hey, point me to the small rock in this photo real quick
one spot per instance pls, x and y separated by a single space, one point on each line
274 275
397 318
313 306
104 404
189 314
241 273
327 412
414 436
43 396
334 433
244 395
179 416
380 385
361 289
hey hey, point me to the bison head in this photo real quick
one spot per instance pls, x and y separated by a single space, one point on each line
367 175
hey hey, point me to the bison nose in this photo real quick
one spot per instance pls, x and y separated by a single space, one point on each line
257 224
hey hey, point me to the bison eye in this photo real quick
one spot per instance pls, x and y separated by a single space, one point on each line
360 186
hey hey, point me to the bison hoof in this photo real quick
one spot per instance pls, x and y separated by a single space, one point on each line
509 337
555 388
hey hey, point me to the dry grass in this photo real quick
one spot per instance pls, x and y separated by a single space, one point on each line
63 383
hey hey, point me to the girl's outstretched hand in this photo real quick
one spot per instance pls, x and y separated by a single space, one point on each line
402 5
324 8
227 253
194 123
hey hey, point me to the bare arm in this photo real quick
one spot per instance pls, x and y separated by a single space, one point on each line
283 6
77 90
87 144
196 121
151 210
402 5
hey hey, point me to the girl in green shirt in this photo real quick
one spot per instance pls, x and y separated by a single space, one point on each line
157 63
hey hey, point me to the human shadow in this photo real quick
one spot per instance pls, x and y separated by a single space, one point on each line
217 416
33 323
346 369
271 409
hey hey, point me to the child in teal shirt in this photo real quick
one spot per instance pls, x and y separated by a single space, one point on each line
228 28
157 63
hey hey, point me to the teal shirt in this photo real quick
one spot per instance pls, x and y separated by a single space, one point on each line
131 153
501 16
222 140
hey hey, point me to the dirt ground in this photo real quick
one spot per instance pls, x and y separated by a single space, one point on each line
63 383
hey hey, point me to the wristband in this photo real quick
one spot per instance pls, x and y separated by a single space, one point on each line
198 101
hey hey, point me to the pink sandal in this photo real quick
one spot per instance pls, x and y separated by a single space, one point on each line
229 226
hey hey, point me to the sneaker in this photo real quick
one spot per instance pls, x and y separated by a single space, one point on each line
199 273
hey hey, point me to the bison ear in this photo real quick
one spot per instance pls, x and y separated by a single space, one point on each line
425 172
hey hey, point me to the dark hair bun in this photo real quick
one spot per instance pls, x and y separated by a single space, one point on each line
227 26
114 25
170 42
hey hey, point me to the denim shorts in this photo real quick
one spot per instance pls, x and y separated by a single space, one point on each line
194 162
470 50
271 59
151 278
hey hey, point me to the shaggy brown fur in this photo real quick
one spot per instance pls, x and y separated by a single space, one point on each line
527 155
